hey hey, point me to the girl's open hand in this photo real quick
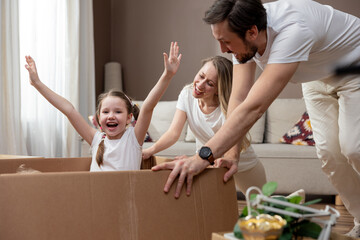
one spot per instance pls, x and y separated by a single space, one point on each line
31 67
172 61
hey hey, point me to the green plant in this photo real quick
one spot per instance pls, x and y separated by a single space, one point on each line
295 227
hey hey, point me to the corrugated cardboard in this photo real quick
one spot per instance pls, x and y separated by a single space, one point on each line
46 164
110 205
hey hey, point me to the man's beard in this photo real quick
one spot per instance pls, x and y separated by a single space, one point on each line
243 58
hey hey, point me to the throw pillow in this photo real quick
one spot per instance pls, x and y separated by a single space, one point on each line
301 133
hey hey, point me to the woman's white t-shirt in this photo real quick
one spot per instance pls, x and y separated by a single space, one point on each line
204 126
120 154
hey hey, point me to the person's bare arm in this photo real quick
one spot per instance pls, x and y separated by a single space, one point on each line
62 104
265 90
171 65
243 80
169 137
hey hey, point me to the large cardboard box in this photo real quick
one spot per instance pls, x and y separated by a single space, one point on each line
109 205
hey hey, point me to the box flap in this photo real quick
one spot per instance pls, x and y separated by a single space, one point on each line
46 164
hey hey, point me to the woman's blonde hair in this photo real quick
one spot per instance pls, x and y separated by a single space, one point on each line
224 69
131 108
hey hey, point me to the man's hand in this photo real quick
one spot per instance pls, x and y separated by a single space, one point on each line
231 164
180 157
185 168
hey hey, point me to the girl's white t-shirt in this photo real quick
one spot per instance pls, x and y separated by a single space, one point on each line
204 126
318 36
120 154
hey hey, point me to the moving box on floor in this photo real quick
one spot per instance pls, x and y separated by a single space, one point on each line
109 205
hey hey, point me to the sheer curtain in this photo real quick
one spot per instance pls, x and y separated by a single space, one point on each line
11 140
56 36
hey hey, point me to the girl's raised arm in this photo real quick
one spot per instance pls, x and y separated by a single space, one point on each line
79 123
171 65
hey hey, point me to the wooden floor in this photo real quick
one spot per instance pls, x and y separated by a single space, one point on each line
343 224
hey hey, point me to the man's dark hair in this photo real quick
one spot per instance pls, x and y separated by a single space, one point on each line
241 15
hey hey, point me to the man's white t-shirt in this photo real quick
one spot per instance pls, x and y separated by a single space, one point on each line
204 126
319 36
120 154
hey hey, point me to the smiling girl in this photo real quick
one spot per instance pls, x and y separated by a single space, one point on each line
118 146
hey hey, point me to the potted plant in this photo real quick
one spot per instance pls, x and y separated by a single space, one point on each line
295 228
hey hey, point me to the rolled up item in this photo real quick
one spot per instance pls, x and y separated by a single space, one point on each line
113 79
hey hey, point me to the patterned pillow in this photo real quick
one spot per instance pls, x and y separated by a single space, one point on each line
301 133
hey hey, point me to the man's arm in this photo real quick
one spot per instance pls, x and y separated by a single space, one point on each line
243 80
264 91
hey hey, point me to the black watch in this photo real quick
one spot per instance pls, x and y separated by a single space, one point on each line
206 154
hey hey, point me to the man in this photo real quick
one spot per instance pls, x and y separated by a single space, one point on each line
302 41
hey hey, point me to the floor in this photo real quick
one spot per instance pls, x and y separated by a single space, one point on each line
343 224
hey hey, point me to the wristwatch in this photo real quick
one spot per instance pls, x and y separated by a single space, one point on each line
206 154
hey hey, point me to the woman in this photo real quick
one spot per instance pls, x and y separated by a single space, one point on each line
204 105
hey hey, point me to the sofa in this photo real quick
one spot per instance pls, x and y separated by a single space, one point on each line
293 167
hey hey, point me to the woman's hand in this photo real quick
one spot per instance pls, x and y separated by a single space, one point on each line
172 61
31 67
231 164
146 153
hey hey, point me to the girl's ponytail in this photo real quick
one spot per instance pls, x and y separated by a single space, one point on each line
100 153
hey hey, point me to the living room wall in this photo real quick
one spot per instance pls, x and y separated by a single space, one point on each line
136 33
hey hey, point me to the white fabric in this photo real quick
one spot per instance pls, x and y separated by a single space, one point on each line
189 136
120 154
86 91
162 116
316 35
51 33
10 108
334 111
204 126
257 130
322 38
281 117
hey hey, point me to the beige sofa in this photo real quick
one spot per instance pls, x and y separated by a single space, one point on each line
291 166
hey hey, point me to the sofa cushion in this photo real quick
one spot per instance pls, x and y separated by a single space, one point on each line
281 116
287 151
179 148
257 130
301 133
162 118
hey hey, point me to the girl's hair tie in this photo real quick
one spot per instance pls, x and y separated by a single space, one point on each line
132 104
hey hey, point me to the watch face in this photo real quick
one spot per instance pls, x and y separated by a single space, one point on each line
205 152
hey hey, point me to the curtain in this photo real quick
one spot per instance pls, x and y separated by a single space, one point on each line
51 32
12 141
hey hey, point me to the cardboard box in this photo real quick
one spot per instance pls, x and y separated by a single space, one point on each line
109 205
